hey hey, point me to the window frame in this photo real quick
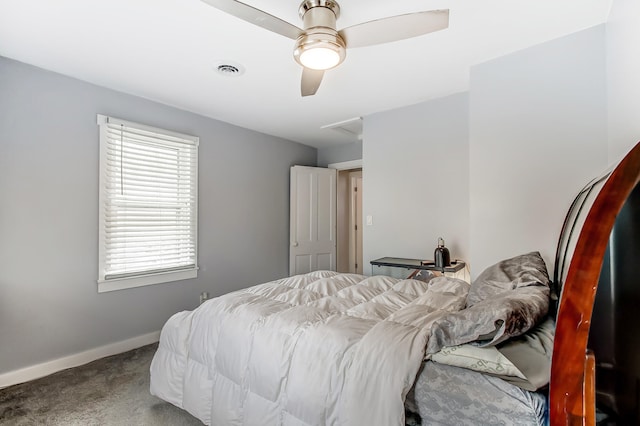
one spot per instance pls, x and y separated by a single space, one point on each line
142 279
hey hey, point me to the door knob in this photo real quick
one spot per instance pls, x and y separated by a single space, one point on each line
295 244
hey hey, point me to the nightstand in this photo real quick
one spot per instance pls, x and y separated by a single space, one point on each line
396 266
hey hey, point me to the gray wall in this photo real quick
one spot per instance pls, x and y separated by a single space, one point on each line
623 83
494 170
537 135
49 305
416 180
339 153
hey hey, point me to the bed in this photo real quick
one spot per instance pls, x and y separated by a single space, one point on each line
347 349
301 350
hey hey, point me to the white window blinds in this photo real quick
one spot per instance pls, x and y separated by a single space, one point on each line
148 205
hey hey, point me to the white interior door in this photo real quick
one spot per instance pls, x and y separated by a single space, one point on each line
313 220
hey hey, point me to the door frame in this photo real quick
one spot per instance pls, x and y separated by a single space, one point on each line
346 165
343 167
355 222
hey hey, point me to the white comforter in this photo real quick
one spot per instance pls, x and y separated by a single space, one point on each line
315 349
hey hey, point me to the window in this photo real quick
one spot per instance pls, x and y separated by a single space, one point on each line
148 205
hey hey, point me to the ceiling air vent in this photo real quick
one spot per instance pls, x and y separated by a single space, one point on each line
229 69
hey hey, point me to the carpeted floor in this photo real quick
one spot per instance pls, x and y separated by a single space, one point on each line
109 391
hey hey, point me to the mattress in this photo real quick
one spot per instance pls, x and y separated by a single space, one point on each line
447 395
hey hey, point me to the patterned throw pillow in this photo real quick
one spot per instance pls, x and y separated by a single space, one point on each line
507 301
507 275
487 360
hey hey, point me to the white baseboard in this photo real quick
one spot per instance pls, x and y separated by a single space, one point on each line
40 370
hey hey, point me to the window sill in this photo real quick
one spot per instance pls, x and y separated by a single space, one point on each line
132 282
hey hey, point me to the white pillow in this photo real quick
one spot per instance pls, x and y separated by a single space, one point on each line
487 360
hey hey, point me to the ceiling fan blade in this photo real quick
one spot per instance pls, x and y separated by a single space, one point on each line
311 80
395 28
257 17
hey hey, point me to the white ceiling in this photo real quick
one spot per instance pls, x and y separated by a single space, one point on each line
167 51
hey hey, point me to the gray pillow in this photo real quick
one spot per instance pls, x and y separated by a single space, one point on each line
531 354
509 303
520 271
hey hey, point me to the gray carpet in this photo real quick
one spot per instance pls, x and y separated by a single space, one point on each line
109 391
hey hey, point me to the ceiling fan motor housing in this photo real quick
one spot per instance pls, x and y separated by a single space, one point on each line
308 5
319 21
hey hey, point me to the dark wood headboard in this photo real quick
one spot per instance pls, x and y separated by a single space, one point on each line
572 389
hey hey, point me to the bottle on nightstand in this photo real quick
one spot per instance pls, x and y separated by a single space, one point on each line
441 255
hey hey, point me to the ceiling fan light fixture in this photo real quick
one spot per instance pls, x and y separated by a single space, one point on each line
319 58
319 51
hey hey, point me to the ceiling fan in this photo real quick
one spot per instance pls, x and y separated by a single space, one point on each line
319 46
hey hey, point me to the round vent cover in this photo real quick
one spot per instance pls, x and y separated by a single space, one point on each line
229 69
